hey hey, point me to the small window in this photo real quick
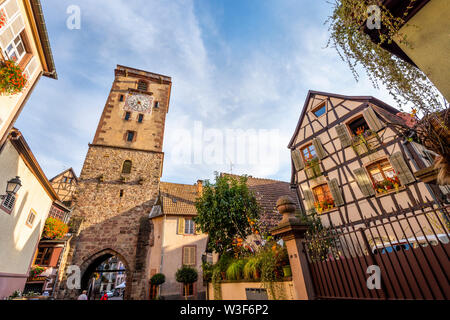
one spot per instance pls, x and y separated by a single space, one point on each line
383 176
8 203
127 115
31 217
309 153
323 200
189 256
130 136
43 256
142 85
320 110
70 180
188 226
65 179
140 118
358 126
126 167
16 50
121 193
121 98
156 104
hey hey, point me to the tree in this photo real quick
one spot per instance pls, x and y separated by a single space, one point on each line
186 275
157 280
226 211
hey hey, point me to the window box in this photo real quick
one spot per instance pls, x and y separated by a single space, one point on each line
365 142
312 168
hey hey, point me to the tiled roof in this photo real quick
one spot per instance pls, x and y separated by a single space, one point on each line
267 192
178 199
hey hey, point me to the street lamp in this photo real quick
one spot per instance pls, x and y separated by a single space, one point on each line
13 185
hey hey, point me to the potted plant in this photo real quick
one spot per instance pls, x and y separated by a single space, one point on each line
252 269
12 81
186 275
157 280
54 229
36 270
234 270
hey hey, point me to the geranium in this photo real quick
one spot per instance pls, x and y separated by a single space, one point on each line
36 270
55 229
2 19
12 80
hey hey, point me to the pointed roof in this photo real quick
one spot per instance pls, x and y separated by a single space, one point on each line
312 93
62 173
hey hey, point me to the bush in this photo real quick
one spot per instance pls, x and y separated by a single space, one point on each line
158 279
12 81
186 275
234 270
54 229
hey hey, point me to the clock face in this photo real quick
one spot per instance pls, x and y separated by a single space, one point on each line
139 102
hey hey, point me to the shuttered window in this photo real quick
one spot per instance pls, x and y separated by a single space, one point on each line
10 40
188 226
320 150
372 119
308 153
309 199
401 168
189 255
344 136
8 202
180 227
363 181
336 193
298 160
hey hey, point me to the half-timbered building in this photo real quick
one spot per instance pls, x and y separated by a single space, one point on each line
351 166
65 185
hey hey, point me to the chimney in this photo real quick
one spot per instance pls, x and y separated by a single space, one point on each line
199 187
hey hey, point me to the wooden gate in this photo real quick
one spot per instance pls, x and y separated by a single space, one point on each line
409 250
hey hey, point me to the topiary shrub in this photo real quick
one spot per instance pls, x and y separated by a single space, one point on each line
186 275
158 279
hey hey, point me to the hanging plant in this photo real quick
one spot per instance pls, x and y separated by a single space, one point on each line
2 19
12 80
54 229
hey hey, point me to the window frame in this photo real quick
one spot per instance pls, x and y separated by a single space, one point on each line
127 116
133 137
33 214
140 118
308 146
326 195
183 262
142 82
357 117
8 209
320 106
41 261
186 226
382 172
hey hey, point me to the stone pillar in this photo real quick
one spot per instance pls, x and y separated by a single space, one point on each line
292 231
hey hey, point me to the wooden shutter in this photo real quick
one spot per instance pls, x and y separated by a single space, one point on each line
298 160
401 168
309 199
372 120
321 153
14 25
188 256
364 182
336 192
180 226
344 136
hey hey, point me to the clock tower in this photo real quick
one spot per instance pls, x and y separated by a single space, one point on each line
119 182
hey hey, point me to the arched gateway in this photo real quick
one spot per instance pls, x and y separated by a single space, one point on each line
112 205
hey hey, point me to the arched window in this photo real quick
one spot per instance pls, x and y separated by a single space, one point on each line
126 168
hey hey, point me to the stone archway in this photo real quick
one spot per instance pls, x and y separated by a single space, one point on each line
90 265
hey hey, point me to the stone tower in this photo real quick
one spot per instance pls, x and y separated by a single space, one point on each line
120 178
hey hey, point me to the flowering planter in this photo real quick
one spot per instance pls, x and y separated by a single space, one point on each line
12 80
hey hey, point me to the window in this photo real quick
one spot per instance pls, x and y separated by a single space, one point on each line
188 289
142 85
70 180
189 226
358 126
383 176
140 118
323 200
43 256
309 153
65 179
188 258
320 110
121 98
156 104
121 193
127 165
8 203
127 115
130 136
16 50
31 217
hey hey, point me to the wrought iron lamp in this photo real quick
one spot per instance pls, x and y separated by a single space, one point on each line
12 186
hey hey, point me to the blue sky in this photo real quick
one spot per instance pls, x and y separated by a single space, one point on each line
234 65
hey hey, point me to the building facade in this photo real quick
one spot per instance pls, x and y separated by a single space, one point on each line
65 185
119 181
351 166
22 215
23 38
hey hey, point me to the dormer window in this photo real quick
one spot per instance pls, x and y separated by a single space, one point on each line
142 85
320 110
358 126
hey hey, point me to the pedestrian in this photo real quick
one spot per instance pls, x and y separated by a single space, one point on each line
83 295
105 296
